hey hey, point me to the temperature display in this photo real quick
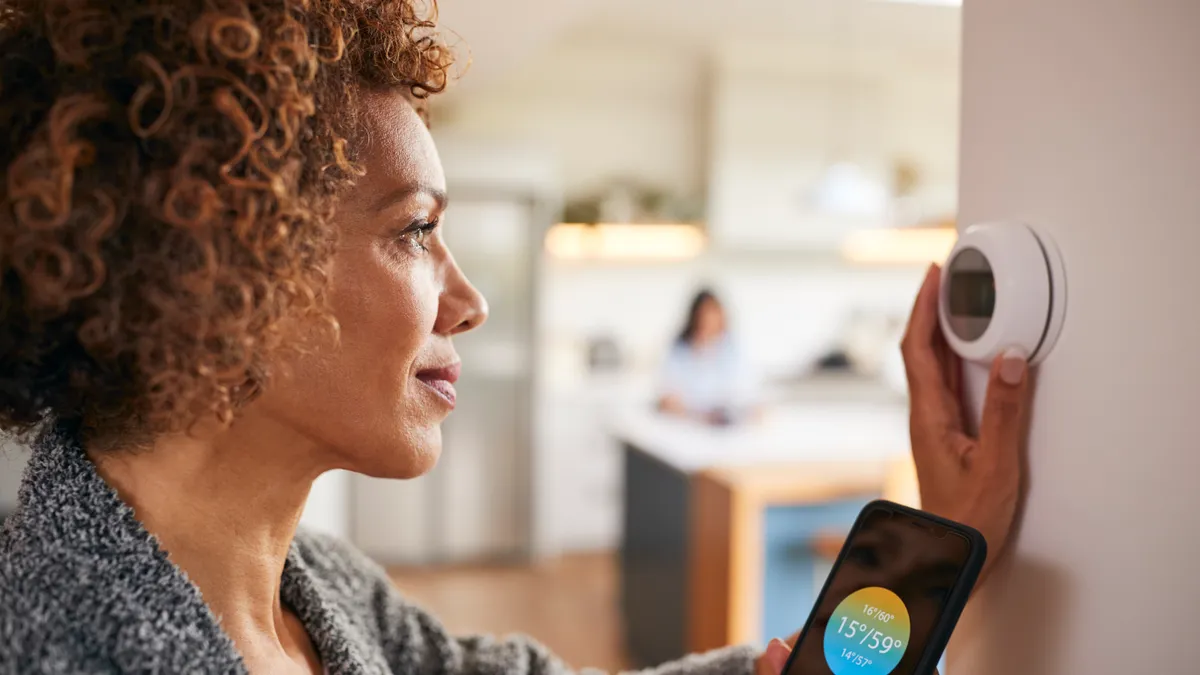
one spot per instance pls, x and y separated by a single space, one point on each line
973 294
856 658
872 638
867 633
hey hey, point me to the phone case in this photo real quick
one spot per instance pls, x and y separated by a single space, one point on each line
954 604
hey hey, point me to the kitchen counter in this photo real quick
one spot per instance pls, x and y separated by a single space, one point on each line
796 432
835 386
583 419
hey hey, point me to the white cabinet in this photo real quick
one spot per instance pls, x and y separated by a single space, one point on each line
773 136
778 126
579 470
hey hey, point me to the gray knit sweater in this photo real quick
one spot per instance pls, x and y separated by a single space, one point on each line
84 588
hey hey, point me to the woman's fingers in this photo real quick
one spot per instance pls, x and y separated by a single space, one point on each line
1006 410
918 345
773 661
951 365
930 364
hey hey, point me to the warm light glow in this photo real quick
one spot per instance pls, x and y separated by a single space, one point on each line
917 246
573 241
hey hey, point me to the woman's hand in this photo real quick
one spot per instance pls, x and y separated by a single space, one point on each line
669 404
973 480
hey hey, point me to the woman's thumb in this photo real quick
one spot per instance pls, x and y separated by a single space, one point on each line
1005 408
774 659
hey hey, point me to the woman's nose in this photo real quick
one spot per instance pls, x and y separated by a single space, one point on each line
462 306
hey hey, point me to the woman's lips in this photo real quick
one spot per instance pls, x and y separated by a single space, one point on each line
441 381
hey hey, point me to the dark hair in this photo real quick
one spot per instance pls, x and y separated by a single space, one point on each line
171 167
689 327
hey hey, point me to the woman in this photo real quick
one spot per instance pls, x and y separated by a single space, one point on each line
222 275
705 376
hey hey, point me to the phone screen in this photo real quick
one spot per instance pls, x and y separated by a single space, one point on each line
884 599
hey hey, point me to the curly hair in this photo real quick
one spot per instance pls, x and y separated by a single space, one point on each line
171 171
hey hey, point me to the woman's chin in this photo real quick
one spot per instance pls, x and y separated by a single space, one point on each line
411 471
401 460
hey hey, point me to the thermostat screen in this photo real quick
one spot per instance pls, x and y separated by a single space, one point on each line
972 294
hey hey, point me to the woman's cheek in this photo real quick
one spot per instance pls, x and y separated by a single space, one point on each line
420 293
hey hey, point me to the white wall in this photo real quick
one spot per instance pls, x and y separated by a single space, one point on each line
391 519
1084 117
328 506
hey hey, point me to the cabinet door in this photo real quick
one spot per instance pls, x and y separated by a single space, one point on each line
773 137
581 511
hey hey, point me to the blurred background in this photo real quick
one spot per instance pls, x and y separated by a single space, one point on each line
621 494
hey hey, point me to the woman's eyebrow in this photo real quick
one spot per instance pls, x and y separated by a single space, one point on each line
407 192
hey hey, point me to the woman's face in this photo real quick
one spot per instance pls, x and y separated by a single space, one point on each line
374 403
710 322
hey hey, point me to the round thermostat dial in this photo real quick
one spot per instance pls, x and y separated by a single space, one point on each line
1003 286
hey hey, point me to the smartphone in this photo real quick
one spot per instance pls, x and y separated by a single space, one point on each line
894 596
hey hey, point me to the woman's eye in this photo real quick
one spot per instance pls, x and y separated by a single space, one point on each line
418 234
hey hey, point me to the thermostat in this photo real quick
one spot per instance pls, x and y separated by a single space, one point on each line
1003 286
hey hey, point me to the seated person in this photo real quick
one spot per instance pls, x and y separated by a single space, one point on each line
705 375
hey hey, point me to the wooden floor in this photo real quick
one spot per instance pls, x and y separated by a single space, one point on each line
569 605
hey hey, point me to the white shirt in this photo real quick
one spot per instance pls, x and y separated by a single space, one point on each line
715 377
